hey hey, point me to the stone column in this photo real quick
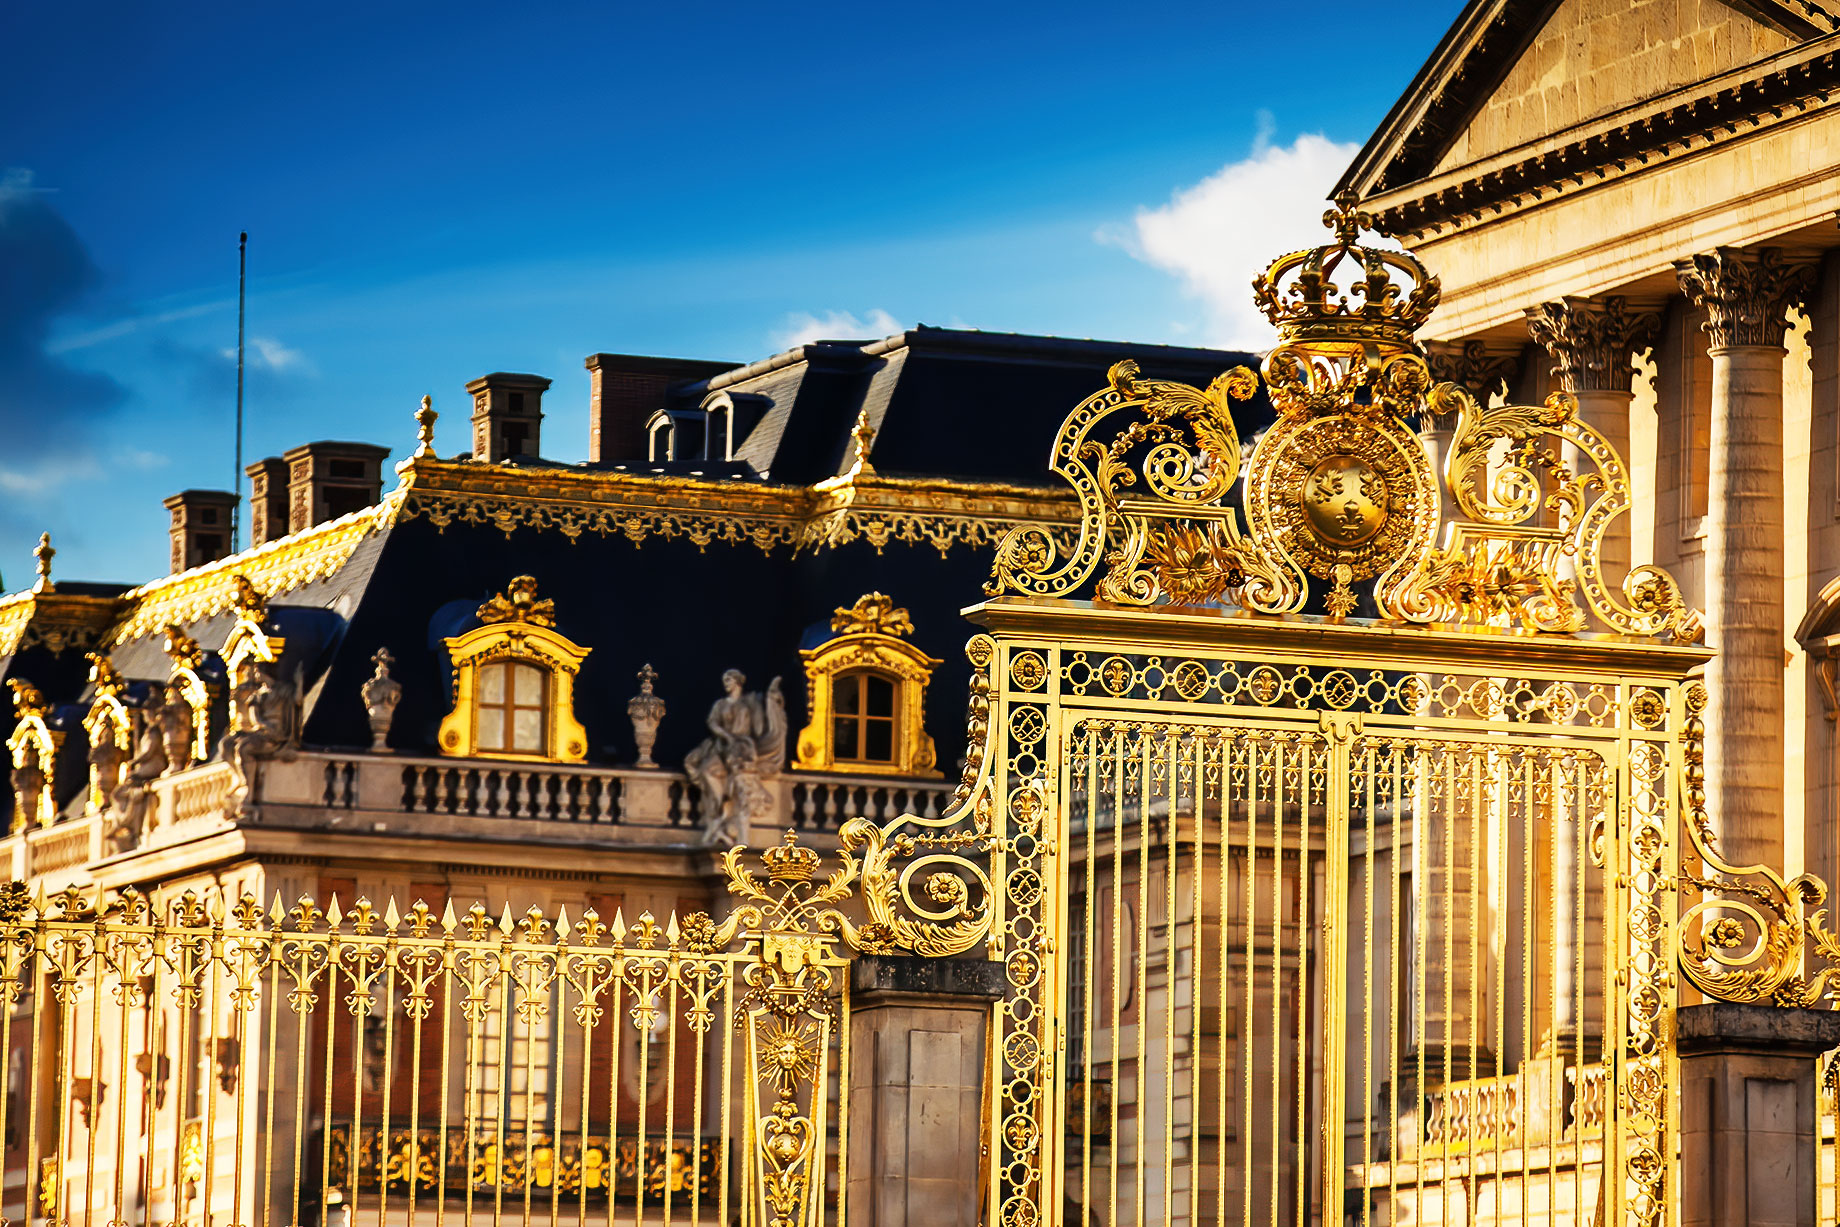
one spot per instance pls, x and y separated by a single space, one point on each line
1748 1113
1746 296
1593 347
919 1040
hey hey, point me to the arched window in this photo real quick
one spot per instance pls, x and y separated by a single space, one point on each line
514 683
662 430
721 418
867 689
512 714
865 717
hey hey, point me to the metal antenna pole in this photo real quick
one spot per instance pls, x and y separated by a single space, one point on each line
236 478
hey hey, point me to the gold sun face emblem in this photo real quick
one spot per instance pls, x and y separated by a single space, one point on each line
1345 500
788 1054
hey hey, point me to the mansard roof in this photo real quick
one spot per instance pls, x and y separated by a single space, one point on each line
690 567
974 406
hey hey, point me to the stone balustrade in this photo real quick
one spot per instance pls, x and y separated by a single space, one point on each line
817 801
479 788
357 790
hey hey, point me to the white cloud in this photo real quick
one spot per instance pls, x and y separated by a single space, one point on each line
49 474
1217 235
803 327
268 353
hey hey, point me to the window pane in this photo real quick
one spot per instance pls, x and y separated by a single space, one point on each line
491 728
527 730
492 683
530 681
846 697
881 696
845 735
880 739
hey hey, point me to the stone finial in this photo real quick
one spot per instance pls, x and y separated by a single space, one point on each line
862 441
646 710
1746 293
1593 344
381 694
44 554
424 427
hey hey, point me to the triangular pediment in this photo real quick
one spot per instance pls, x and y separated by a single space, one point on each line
1515 73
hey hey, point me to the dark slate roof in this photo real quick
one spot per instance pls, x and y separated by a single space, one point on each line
970 406
977 406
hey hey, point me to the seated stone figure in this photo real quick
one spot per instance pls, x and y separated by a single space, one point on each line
129 799
746 747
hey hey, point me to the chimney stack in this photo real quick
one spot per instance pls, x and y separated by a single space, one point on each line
200 527
327 480
626 391
268 499
507 415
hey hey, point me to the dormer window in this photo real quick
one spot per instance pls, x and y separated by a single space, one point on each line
867 688
514 683
660 444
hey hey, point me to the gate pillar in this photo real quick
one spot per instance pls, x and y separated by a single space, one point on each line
1748 1113
920 1030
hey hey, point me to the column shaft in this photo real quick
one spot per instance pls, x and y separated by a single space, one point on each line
1744 597
1747 295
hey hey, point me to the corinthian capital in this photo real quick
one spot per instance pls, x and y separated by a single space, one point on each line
1471 366
1592 344
1746 293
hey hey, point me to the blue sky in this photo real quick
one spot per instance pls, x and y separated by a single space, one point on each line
434 192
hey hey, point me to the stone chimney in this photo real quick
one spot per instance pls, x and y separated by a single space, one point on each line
327 480
268 499
627 390
507 415
200 527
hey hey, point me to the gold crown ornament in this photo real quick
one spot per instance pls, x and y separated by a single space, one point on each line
1387 299
789 861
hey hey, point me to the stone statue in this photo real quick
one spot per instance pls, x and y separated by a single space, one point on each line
645 709
745 749
128 801
174 717
267 726
28 781
381 694
105 758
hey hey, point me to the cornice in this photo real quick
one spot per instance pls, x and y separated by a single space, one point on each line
881 510
56 621
1781 89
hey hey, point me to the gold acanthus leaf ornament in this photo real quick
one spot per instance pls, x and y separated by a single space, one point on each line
519 603
873 613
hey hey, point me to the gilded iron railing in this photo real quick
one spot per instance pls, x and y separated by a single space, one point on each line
209 1059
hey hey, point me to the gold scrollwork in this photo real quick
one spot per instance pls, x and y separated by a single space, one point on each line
1746 934
1341 490
1181 445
